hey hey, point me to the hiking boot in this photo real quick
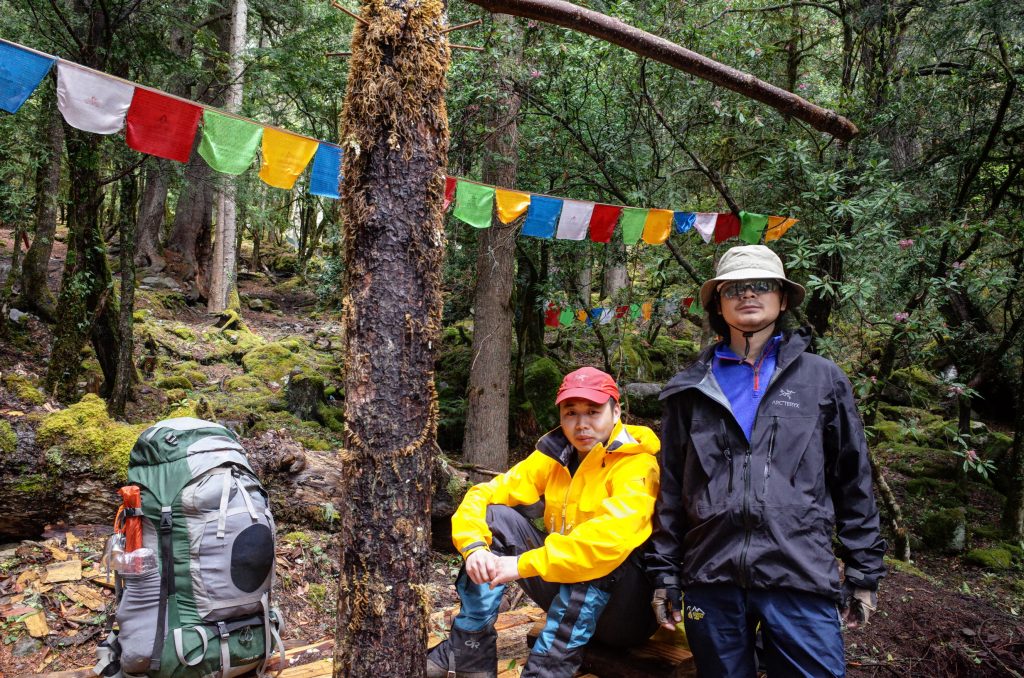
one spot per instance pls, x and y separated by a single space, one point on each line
466 654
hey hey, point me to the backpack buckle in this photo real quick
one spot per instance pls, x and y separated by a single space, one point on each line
171 439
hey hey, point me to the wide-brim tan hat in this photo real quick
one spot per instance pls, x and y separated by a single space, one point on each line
751 262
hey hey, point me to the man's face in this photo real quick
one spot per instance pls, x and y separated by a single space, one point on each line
749 305
587 423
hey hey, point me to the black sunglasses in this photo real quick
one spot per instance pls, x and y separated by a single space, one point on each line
733 290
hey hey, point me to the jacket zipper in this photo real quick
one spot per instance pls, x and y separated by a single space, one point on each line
726 450
747 531
771 453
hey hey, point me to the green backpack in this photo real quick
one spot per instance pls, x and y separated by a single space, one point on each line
204 607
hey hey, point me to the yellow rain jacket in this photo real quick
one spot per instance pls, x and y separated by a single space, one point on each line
594 518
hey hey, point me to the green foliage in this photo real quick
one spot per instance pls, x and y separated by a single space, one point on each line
542 378
23 389
276 360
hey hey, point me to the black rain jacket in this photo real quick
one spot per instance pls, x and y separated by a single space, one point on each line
762 515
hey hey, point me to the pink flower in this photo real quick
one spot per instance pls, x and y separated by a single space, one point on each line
534 73
802 86
972 455
901 317
874 379
956 390
906 243
959 265
531 24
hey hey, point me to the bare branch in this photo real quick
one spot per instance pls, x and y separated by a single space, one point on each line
646 44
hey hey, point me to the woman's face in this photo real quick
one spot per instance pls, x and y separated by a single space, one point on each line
587 423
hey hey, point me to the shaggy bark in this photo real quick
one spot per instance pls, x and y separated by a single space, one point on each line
395 132
151 216
486 438
645 44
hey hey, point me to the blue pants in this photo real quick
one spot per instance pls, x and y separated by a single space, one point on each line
614 609
801 632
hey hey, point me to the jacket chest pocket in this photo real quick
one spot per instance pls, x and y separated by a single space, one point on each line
711 469
793 461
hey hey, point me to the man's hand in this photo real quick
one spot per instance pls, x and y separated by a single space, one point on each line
857 605
481 566
668 607
507 570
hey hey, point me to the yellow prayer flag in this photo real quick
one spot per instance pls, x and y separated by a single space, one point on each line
647 308
581 315
284 157
511 204
777 227
658 227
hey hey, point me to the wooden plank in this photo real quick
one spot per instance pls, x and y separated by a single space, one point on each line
321 669
74 673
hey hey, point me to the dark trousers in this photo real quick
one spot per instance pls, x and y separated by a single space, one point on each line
801 632
614 609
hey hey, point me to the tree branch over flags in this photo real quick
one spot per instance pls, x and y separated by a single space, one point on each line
646 44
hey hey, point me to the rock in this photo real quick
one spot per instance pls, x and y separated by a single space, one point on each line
160 282
256 305
993 559
26 645
945 530
642 399
15 315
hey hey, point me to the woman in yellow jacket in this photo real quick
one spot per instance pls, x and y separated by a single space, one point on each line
597 480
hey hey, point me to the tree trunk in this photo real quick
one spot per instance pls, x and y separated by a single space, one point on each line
125 376
86 305
1013 512
395 129
193 223
151 215
35 288
223 268
615 275
486 437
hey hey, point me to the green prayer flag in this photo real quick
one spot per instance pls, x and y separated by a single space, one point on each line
752 226
474 203
229 144
695 307
566 317
634 311
633 220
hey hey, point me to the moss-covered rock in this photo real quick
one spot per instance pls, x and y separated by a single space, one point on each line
184 333
913 386
8 438
669 356
23 389
86 430
995 558
945 530
276 360
541 380
243 382
632 357
176 395
643 399
333 418
168 383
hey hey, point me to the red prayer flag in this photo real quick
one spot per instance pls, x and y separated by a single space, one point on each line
727 226
621 311
687 302
602 222
551 315
449 191
161 125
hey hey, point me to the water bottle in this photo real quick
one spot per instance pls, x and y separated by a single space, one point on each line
140 561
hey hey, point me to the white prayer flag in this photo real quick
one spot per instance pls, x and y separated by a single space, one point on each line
92 102
575 220
607 315
705 224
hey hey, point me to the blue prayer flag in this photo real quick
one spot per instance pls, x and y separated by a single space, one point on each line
21 72
325 177
542 217
684 221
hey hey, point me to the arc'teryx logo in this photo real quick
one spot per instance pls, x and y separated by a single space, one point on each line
788 402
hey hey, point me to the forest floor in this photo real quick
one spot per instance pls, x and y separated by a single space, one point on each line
938 617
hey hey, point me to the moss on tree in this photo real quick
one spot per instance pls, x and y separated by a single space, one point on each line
541 381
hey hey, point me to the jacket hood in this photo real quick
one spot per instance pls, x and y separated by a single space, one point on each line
794 342
624 439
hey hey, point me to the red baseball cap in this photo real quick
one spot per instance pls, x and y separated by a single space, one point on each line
590 384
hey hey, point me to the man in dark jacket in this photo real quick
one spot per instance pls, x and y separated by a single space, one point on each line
763 458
